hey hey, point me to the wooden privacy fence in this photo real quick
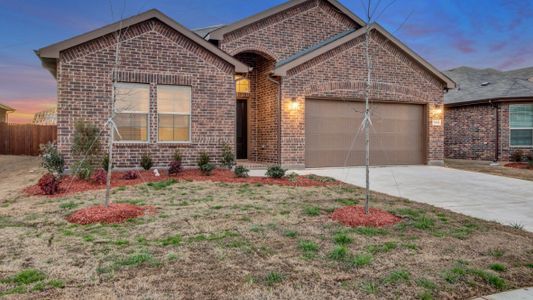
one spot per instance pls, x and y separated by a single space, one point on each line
24 139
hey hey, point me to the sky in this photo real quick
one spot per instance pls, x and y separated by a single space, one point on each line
448 33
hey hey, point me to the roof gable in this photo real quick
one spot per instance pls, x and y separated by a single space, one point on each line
6 108
50 54
219 33
307 54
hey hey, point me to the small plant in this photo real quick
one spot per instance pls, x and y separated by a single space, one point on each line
82 169
26 277
130 175
397 276
228 158
290 233
207 169
99 176
292 177
203 159
52 160
497 267
341 238
173 240
496 252
370 231
362 259
49 184
161 184
517 225
309 248
146 161
275 172
426 283
105 163
177 155
338 253
241 172
370 287
273 278
312 211
86 140
517 156
174 167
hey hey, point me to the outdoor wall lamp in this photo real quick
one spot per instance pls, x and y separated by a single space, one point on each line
436 115
294 105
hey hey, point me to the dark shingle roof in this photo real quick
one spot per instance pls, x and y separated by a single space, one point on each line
501 84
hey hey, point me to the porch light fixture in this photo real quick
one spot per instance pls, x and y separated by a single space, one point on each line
294 105
436 115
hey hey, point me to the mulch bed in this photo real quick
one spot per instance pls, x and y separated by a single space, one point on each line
114 213
71 184
518 165
355 216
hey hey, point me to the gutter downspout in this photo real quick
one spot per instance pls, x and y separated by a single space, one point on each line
497 140
278 83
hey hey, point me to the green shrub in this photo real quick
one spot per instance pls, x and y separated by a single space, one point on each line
517 156
85 141
177 155
241 171
52 160
82 169
146 161
207 168
275 172
292 177
228 158
105 162
203 159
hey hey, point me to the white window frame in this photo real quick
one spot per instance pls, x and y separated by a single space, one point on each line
518 128
177 114
147 141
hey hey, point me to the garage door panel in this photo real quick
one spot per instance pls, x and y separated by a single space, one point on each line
397 133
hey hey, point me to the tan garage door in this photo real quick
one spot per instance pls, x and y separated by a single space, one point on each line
397 135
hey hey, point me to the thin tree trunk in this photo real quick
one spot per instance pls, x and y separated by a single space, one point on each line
367 122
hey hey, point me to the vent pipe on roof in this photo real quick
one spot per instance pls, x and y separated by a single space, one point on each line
485 83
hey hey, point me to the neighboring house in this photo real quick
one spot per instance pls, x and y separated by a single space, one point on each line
4 109
490 113
284 86
45 117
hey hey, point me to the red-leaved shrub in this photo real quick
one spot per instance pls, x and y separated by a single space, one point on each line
174 167
130 175
49 184
100 176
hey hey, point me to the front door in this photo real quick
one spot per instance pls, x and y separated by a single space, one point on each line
242 129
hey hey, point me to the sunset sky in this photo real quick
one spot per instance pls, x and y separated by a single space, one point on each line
448 33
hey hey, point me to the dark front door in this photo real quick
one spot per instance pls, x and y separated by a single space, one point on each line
242 130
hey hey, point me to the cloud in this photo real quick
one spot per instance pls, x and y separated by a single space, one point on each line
497 46
463 44
414 30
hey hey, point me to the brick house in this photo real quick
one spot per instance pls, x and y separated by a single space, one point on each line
4 110
490 114
284 86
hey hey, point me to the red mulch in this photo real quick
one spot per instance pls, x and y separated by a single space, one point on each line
71 184
355 216
518 165
114 213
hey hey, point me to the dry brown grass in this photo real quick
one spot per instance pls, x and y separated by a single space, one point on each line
484 167
241 241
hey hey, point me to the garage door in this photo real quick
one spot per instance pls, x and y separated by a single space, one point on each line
397 135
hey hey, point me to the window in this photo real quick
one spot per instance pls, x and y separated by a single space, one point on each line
132 103
174 111
242 85
521 124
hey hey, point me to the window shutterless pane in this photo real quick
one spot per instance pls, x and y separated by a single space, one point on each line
521 115
174 99
132 97
174 128
521 137
131 127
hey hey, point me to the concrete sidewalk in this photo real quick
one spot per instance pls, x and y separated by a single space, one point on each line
494 198
521 294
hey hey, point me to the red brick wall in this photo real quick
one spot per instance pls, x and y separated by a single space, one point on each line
288 32
155 54
470 132
342 73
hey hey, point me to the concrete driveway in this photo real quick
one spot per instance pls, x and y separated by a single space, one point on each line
495 198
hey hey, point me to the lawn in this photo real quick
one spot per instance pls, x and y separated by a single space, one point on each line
248 241
484 167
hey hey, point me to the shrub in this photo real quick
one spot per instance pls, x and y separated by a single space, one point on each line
241 172
203 159
275 172
517 156
207 168
105 163
85 140
174 167
130 175
49 184
177 155
529 158
228 158
100 176
52 160
292 177
83 169
146 161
